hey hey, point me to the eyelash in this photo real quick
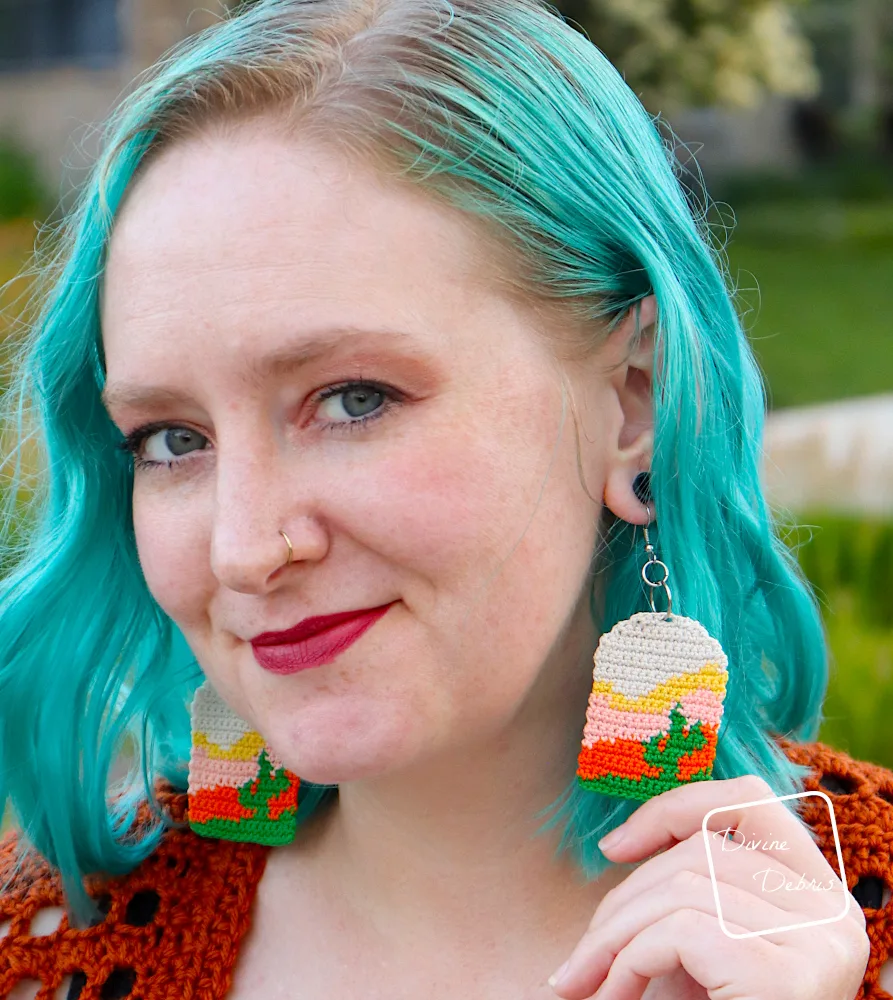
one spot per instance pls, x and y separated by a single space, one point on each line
134 441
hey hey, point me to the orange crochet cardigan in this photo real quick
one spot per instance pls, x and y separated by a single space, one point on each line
172 927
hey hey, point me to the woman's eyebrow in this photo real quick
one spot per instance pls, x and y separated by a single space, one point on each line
285 360
292 357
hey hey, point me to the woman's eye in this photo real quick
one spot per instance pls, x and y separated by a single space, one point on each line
172 443
359 401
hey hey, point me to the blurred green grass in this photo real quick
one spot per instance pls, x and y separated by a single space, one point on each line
16 242
849 562
825 327
859 706
815 289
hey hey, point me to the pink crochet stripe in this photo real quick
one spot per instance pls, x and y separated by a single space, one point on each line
603 722
207 772
704 705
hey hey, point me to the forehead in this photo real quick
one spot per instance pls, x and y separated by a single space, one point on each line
235 224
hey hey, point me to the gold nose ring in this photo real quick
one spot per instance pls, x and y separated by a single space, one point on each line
290 549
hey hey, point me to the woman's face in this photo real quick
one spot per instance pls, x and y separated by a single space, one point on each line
459 499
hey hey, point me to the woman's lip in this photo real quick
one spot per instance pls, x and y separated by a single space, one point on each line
311 626
317 649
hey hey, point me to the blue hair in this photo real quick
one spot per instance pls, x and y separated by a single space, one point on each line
509 114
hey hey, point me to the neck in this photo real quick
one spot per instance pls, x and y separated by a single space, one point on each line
439 870
450 847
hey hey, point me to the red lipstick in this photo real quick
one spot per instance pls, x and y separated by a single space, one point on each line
313 641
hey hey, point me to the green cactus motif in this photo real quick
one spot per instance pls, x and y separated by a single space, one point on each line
256 794
677 743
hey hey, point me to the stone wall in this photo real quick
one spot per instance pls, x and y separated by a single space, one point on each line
55 112
155 25
834 457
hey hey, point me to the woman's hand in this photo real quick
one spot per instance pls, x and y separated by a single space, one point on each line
662 919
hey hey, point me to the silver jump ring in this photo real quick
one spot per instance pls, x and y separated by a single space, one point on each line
655 583
669 612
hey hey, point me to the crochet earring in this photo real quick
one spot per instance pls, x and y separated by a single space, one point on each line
238 787
657 696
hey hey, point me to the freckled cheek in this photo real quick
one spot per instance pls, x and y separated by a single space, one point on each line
437 507
169 546
449 514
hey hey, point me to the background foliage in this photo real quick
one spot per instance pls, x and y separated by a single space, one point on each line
677 53
849 561
22 190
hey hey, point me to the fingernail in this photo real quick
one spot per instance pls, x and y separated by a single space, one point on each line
556 977
612 839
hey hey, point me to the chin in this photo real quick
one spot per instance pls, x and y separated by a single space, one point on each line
335 739
330 760
336 771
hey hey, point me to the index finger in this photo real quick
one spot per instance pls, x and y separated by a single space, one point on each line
749 804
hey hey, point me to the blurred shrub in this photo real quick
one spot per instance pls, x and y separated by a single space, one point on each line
862 225
677 53
859 705
857 175
22 192
17 240
849 561
856 555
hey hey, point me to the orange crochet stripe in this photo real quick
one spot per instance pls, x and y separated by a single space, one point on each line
701 759
641 769
222 802
624 758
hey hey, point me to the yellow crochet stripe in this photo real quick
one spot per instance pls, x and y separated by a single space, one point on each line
711 677
247 747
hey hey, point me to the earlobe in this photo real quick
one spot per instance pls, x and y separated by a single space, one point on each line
620 495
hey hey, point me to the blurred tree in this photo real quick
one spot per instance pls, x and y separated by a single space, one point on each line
22 191
677 53
684 53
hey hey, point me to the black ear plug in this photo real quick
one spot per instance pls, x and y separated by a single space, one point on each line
642 487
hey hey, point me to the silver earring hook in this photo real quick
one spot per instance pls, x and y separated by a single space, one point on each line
654 561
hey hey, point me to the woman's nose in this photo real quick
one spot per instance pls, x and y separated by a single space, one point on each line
254 503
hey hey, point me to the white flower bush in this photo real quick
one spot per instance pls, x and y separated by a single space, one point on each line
676 53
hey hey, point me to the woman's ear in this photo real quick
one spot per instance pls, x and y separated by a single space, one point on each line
630 380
